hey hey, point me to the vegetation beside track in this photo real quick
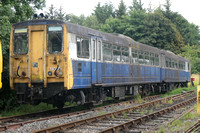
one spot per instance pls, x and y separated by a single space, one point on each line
27 108
181 124
178 90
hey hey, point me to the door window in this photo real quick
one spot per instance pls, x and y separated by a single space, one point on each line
55 39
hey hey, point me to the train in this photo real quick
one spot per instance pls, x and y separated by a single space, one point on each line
54 61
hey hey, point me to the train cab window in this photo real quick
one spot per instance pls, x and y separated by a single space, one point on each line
82 47
141 57
55 39
107 52
146 58
152 59
156 60
125 54
134 56
117 53
20 41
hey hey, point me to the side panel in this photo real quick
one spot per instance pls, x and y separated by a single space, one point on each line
81 74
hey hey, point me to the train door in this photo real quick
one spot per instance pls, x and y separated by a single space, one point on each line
36 54
96 60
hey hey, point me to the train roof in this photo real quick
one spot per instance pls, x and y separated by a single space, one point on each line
112 38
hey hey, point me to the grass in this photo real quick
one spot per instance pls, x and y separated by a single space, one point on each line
26 108
138 99
178 90
124 115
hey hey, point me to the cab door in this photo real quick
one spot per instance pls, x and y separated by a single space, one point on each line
96 60
36 57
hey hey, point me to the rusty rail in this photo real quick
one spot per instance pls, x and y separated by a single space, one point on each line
125 126
193 127
109 115
19 124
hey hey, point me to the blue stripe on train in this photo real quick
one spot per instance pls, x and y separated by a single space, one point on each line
110 73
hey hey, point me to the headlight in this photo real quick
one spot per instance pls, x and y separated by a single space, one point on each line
50 73
60 73
23 74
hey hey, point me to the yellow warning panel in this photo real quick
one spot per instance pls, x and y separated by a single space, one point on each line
198 99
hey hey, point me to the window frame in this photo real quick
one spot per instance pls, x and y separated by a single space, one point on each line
135 52
62 46
125 50
111 50
89 47
118 50
14 39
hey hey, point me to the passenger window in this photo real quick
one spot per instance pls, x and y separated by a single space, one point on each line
20 41
55 39
94 48
146 58
82 47
125 54
156 60
117 53
172 64
99 50
141 57
134 56
152 59
167 62
176 64
107 52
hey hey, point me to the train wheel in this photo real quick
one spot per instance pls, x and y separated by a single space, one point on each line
60 105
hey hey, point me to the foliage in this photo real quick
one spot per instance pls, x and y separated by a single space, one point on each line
12 11
137 6
188 31
25 109
193 54
178 90
121 9
104 12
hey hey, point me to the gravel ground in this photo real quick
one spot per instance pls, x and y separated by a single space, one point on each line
182 124
58 121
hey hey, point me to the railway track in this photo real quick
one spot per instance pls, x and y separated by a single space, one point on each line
194 128
13 122
123 119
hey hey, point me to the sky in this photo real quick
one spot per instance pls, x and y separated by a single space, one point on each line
189 9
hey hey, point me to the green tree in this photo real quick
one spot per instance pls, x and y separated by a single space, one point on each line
113 25
52 12
12 11
121 9
75 19
134 24
193 54
137 5
60 14
104 12
189 32
162 33
92 22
